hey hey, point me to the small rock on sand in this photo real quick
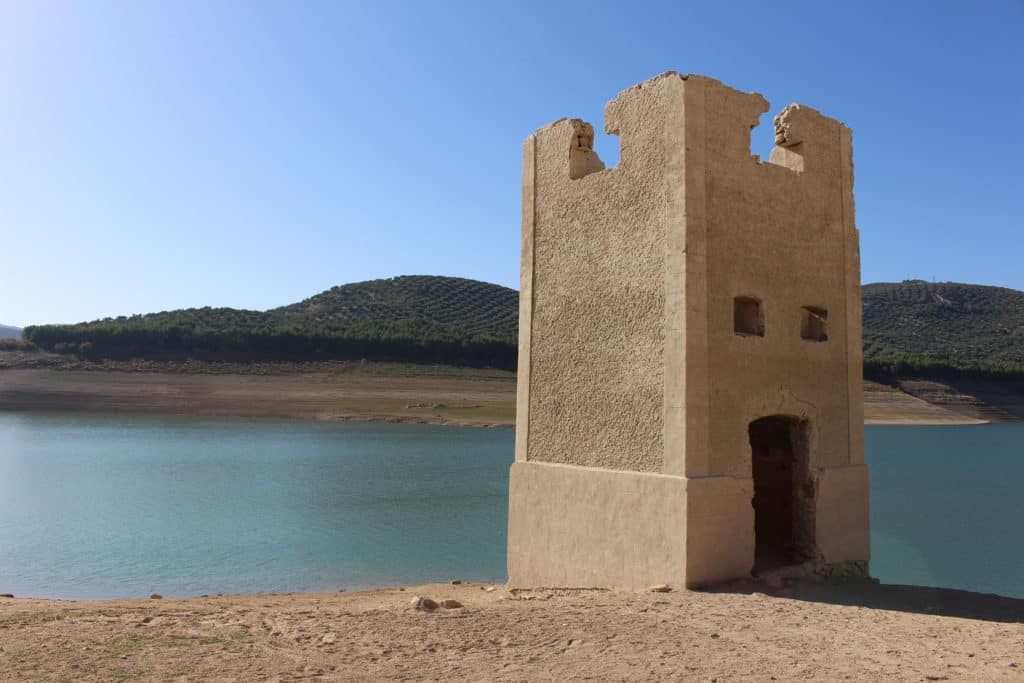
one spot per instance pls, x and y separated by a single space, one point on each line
451 604
422 603
328 638
660 588
6 595
156 596
456 582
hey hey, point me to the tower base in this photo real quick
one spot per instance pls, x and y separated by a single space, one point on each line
573 527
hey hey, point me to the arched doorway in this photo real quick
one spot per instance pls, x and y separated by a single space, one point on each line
783 493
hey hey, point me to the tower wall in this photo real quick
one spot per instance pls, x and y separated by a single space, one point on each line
597 286
633 460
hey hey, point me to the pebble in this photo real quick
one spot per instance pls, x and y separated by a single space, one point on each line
660 588
451 604
456 582
156 596
422 603
490 589
328 638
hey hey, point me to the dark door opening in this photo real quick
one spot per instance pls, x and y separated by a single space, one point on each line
783 493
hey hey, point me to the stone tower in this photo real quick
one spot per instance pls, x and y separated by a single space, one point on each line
689 401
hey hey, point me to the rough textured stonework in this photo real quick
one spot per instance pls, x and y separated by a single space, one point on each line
689 341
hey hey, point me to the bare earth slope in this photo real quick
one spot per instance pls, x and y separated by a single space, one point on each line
346 390
332 390
337 391
861 633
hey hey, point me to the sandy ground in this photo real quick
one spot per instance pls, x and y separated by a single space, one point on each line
394 393
469 397
855 632
888 405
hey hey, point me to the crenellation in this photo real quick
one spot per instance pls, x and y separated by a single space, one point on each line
583 160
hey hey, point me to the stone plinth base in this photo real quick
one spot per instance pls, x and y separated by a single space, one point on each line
595 528
843 515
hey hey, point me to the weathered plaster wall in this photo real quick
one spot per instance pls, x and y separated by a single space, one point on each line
779 235
597 329
781 232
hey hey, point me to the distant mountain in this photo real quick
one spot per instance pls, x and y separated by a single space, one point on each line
960 322
414 317
7 332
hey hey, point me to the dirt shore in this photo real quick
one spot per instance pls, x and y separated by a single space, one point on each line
745 633
322 391
377 392
884 404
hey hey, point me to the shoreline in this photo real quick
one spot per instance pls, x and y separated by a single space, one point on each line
746 631
476 399
390 393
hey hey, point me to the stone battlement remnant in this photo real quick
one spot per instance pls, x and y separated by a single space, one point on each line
689 400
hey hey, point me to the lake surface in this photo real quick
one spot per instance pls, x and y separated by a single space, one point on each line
98 506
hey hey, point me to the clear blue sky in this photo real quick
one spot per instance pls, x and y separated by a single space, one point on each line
158 155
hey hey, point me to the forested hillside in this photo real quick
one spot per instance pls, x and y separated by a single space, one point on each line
918 326
409 318
912 327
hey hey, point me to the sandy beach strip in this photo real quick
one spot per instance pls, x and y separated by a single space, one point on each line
742 633
388 394
472 398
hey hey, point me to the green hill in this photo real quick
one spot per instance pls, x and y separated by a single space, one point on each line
912 327
948 324
410 318
477 308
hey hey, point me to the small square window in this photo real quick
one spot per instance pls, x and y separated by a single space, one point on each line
814 323
748 320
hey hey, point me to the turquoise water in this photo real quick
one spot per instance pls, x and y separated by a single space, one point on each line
116 506
947 506
95 506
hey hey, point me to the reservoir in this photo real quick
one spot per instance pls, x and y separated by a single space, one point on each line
103 506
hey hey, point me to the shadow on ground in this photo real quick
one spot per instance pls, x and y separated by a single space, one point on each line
946 602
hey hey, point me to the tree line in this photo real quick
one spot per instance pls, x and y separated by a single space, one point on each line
405 341
399 341
883 368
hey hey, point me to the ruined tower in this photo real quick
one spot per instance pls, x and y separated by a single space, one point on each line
689 401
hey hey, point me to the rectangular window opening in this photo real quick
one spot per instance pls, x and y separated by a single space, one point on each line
748 318
814 323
